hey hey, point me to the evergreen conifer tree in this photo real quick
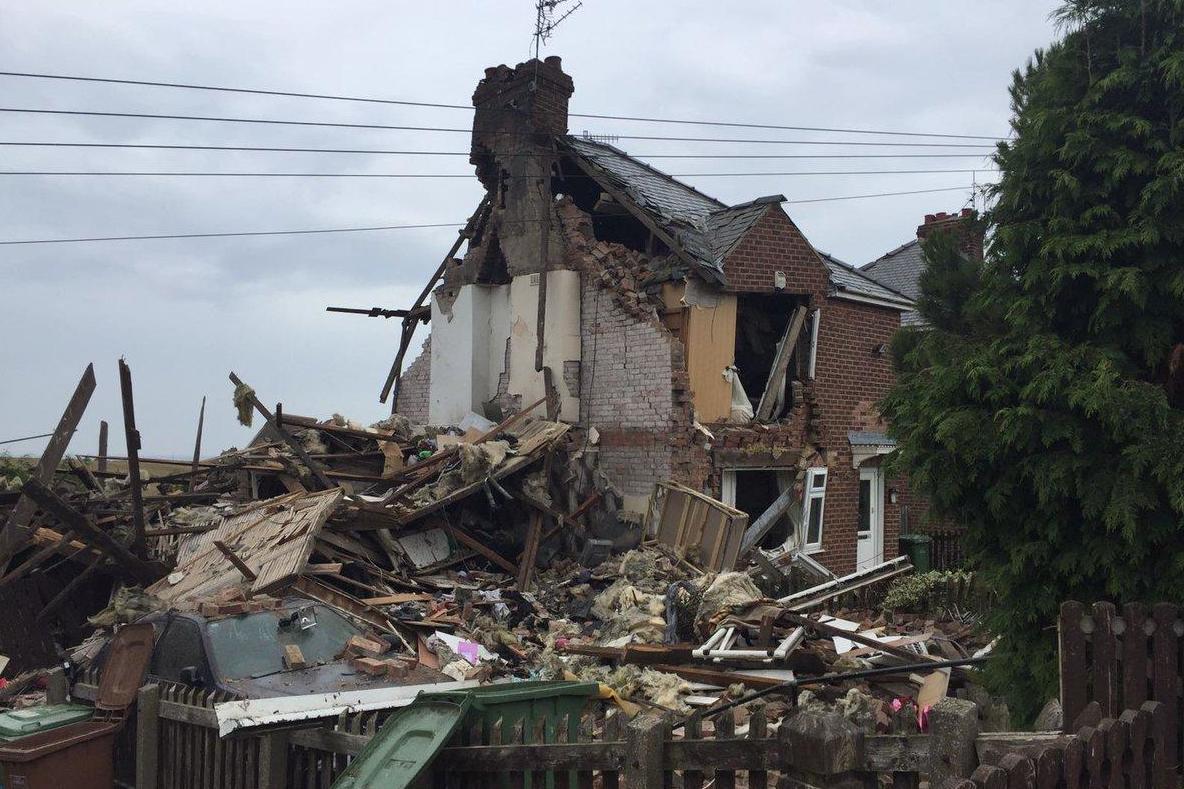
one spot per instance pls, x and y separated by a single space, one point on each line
1042 405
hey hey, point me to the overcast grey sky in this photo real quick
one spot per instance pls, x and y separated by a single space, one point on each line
186 312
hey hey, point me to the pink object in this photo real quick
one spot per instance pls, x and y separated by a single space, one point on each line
469 651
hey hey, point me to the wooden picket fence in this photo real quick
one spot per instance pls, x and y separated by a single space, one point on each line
175 743
1127 752
1120 660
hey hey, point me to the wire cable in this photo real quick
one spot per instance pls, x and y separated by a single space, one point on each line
388 127
385 152
200 174
373 100
26 438
395 227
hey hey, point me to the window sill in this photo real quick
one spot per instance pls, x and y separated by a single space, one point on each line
811 550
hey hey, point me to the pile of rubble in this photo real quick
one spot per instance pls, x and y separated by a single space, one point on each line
463 554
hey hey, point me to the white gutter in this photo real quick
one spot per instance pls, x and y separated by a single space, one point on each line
902 305
252 713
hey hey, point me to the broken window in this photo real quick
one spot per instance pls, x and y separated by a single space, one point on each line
753 491
813 506
768 330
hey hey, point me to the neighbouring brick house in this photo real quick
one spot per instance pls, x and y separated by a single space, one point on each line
686 339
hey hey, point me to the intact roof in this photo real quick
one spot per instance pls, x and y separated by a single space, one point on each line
899 269
706 229
847 280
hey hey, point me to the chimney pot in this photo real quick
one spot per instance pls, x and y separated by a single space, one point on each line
930 218
554 61
967 211
491 72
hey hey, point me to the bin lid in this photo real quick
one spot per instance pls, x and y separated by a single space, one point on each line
123 673
21 723
487 696
405 745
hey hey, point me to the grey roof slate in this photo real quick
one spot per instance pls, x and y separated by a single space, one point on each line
705 228
845 278
899 269
862 438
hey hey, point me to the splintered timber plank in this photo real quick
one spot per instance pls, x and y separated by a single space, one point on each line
314 468
15 531
725 729
132 435
195 468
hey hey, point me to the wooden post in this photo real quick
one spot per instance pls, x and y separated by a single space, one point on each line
273 760
314 468
139 542
645 737
148 737
15 532
89 533
825 750
526 569
201 419
102 464
57 687
1074 673
953 724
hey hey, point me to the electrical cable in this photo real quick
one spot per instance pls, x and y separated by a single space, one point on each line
373 100
343 125
387 227
205 174
384 152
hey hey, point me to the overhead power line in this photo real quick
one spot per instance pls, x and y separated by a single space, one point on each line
390 127
385 152
26 438
401 227
438 105
194 174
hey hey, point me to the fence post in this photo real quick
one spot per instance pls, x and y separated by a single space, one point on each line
147 736
953 726
273 760
825 750
645 738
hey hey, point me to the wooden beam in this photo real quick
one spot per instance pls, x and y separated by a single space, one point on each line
831 630
89 533
314 468
409 324
15 532
178 530
139 543
68 590
761 526
238 563
35 561
482 549
526 568
102 464
764 410
201 420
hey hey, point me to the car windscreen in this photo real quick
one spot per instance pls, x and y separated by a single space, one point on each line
253 645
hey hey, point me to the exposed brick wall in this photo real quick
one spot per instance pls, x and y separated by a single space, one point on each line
775 244
415 385
625 389
851 379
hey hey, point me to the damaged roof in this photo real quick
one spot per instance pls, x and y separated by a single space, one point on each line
706 229
846 280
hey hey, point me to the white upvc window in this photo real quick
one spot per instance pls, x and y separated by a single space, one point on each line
813 504
814 321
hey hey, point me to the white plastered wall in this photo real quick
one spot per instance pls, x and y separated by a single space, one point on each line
469 344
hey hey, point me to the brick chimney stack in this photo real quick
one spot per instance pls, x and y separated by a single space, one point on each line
518 108
965 224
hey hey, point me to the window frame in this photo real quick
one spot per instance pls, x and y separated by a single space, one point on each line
814 497
815 320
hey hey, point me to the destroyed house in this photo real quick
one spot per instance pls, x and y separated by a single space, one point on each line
682 338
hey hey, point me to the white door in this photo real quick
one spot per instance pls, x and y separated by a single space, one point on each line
869 538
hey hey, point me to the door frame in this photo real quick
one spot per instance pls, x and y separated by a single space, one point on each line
876 517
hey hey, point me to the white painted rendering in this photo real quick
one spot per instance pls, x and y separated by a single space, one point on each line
562 336
469 344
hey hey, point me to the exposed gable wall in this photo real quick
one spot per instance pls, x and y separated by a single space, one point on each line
775 244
